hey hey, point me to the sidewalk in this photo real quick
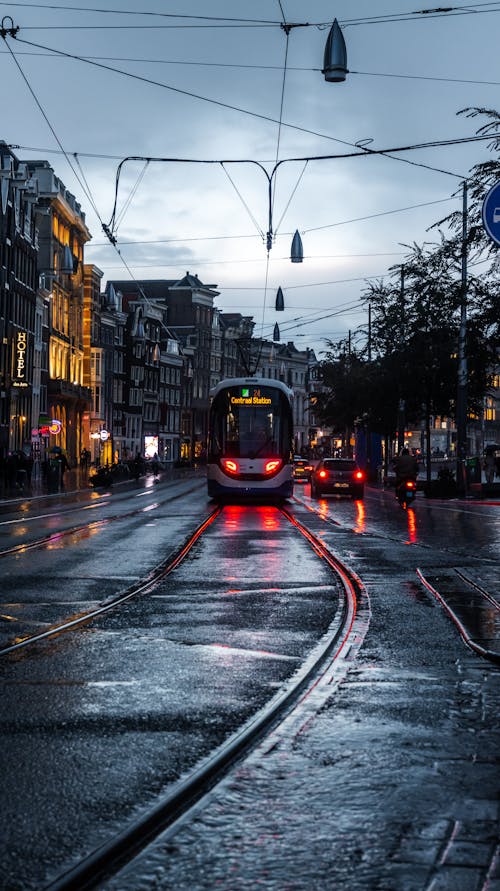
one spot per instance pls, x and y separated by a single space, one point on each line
75 480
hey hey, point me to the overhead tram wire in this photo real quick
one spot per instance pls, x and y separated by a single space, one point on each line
243 66
235 237
245 205
287 327
382 213
387 152
108 229
286 30
221 21
272 192
130 198
82 181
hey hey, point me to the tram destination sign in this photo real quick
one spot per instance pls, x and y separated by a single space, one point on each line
247 397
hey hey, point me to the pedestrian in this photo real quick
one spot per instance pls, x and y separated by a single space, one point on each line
29 467
137 466
11 468
489 465
155 467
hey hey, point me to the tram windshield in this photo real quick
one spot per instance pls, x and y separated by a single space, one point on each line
250 422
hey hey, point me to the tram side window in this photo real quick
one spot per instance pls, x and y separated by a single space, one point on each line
231 437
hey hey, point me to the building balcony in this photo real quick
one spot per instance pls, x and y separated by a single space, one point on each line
66 390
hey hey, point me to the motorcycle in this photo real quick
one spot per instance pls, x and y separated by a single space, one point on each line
406 491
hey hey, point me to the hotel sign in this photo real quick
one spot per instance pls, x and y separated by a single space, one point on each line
20 360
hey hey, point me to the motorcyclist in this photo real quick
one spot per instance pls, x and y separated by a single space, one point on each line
406 466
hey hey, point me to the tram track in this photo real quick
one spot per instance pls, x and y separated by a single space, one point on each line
333 653
82 529
464 599
160 571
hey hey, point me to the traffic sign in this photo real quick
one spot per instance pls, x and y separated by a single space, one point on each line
491 213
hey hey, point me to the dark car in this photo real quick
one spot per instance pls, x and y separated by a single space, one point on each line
338 476
301 469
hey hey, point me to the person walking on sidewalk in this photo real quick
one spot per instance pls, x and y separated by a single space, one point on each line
489 465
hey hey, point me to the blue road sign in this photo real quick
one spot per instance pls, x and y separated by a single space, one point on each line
491 213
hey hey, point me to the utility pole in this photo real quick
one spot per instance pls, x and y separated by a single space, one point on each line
369 331
401 401
462 361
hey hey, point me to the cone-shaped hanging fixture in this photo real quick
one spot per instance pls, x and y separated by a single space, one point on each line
280 301
156 353
112 298
297 251
276 333
67 262
335 61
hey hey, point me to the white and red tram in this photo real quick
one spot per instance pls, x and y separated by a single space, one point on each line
250 446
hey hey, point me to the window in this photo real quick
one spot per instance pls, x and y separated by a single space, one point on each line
135 396
489 410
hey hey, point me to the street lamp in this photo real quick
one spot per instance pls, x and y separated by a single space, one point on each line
280 301
297 251
335 59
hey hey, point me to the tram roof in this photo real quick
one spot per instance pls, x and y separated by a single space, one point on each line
251 382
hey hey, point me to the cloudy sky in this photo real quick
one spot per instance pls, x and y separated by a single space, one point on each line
219 80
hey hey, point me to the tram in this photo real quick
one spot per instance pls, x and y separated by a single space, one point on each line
250 444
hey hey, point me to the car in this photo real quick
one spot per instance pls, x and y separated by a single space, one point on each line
301 469
338 476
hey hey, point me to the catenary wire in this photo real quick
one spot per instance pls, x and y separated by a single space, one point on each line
229 106
201 261
233 237
243 66
245 205
130 198
81 181
436 12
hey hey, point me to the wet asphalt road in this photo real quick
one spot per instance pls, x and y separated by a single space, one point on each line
392 786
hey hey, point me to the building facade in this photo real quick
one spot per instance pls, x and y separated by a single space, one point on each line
21 316
62 234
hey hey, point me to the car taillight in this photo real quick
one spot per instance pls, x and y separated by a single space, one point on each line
271 466
322 474
230 466
359 475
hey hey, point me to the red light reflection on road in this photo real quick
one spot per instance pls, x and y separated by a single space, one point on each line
269 518
246 523
323 509
412 526
360 517
232 516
